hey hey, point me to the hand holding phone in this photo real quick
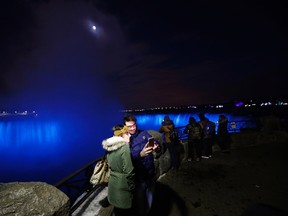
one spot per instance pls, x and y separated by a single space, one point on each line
151 141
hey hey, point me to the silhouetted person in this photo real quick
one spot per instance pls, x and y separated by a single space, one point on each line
208 128
194 131
166 127
223 136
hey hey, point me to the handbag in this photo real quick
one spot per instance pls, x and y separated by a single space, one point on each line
101 172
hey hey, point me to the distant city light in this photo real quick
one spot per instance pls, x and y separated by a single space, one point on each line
251 103
18 113
238 104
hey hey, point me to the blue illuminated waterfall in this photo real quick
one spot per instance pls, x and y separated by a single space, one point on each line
153 121
48 150
32 133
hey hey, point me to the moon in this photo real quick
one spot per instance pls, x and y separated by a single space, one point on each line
94 27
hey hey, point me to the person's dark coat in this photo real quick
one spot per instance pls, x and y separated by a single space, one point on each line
144 167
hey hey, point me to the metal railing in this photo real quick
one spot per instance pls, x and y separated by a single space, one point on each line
78 183
233 127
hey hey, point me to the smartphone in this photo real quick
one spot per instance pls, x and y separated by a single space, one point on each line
151 142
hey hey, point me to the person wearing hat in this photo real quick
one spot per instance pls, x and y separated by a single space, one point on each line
121 182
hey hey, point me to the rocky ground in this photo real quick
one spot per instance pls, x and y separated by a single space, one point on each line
248 181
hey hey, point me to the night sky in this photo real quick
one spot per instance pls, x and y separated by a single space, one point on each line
142 53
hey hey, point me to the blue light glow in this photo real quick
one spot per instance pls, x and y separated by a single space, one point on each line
153 121
31 133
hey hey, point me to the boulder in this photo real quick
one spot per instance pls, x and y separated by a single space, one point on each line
32 198
162 159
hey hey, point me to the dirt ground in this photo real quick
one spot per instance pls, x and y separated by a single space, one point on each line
248 181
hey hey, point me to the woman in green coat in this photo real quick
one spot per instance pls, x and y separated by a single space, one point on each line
121 181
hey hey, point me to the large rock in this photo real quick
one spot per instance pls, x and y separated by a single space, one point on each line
162 163
32 198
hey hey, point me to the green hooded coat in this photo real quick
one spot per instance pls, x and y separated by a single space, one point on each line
122 177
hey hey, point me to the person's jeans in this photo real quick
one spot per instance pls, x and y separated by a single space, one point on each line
173 151
143 197
194 147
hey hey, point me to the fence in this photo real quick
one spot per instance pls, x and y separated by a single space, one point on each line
78 183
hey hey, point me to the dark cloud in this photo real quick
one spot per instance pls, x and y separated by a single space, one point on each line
205 52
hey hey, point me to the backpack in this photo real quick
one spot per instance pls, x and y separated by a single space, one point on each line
173 135
209 129
194 131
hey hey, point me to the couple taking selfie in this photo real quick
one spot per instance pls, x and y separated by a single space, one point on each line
132 171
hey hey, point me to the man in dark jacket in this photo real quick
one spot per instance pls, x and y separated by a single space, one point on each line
143 161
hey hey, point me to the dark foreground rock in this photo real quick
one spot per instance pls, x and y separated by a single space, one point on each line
32 198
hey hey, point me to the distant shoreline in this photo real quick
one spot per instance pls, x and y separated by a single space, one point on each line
279 111
242 107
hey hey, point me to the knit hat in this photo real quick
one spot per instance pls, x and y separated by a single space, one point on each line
121 132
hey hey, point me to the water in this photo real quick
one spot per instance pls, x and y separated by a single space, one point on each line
153 121
47 149
51 149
